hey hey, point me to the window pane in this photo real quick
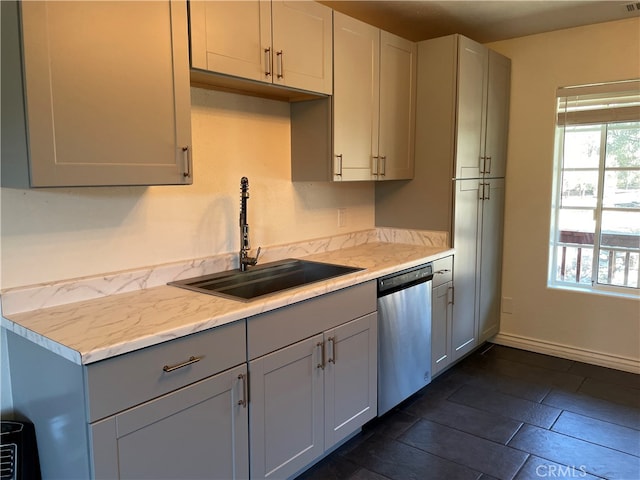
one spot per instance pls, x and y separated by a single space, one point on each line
574 264
582 147
623 145
579 223
621 189
618 268
619 248
580 189
624 227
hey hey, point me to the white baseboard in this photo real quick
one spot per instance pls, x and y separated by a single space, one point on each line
565 351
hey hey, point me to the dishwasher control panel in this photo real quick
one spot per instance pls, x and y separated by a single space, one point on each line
404 278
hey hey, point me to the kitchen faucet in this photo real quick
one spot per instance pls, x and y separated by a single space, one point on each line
245 259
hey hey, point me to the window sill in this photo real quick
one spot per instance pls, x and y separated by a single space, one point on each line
632 294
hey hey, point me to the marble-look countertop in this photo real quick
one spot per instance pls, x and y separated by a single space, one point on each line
88 331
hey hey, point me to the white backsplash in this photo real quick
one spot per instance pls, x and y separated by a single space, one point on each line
34 297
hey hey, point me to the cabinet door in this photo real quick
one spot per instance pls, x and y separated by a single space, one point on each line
499 85
287 409
107 93
490 274
355 98
441 316
350 377
466 239
232 37
200 431
472 89
302 45
397 107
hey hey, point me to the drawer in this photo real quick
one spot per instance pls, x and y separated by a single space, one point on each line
133 378
270 331
442 271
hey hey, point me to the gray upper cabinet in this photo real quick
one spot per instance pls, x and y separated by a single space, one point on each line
356 98
397 108
274 41
107 93
482 111
366 132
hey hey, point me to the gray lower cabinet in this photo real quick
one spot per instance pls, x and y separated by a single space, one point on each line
490 261
441 315
478 229
167 411
309 395
200 431
287 412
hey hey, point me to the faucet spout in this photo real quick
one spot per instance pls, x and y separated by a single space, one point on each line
245 260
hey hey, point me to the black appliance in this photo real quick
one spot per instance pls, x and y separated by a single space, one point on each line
18 451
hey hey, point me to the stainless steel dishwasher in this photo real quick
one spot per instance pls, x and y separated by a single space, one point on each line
404 335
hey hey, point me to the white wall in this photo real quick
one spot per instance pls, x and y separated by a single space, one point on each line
54 234
605 328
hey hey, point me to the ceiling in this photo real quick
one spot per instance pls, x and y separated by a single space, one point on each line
482 20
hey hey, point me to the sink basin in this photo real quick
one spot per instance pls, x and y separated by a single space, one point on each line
264 279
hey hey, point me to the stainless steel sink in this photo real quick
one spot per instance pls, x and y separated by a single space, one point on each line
264 279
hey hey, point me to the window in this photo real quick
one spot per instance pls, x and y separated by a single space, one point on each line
595 225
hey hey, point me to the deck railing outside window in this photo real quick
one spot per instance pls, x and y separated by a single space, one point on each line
617 265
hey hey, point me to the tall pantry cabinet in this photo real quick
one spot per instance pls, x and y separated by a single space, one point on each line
461 142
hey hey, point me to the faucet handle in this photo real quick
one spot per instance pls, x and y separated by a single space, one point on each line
257 255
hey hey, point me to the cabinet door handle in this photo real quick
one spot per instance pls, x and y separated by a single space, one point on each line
374 164
320 345
383 163
267 62
487 169
481 191
453 291
280 64
487 191
339 169
332 358
187 161
243 401
191 360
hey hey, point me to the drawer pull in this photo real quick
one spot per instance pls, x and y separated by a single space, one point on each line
191 360
443 271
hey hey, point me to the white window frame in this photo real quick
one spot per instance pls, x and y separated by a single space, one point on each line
581 108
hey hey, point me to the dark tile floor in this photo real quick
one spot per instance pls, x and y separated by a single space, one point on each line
502 413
